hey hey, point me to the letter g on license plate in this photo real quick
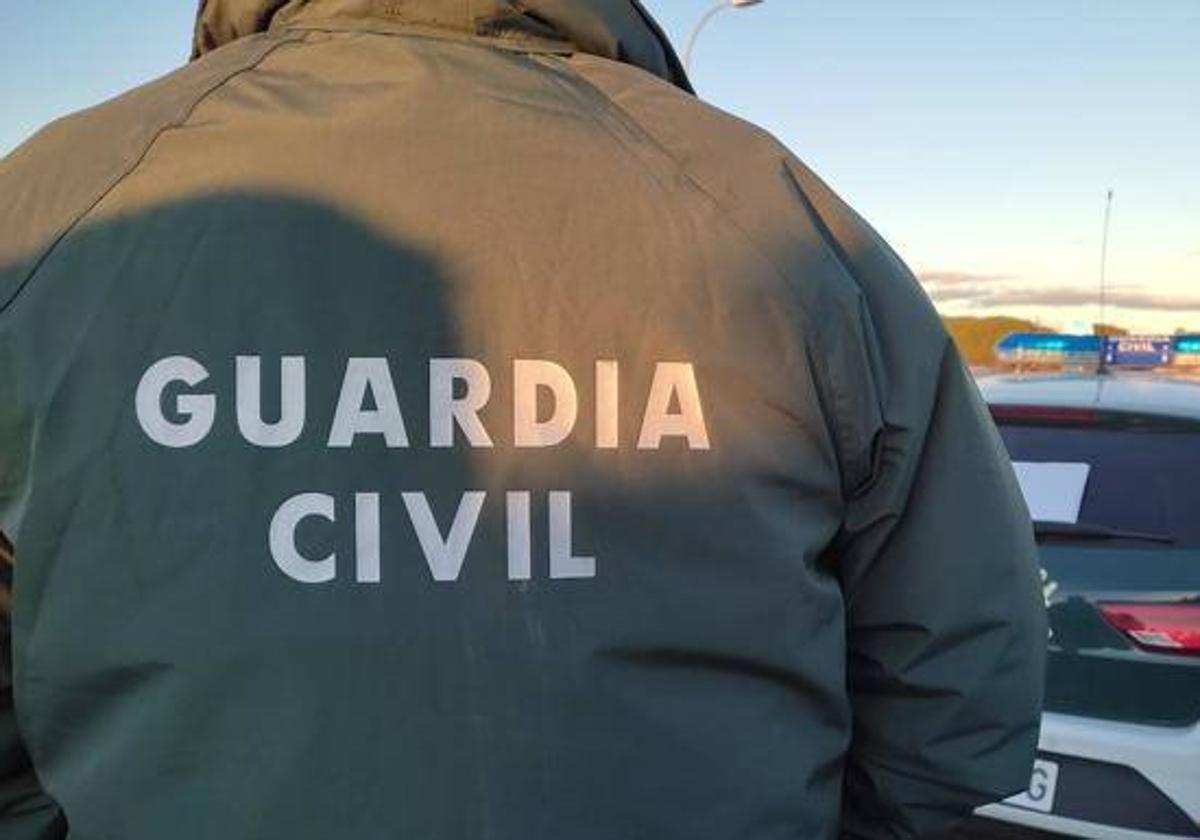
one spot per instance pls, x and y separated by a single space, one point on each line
1042 784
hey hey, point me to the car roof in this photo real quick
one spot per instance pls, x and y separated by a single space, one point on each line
1141 393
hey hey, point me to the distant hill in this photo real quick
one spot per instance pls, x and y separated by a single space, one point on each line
976 337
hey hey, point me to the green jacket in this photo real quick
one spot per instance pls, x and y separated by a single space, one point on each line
429 420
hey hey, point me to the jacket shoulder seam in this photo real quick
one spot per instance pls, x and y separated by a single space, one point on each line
681 167
813 326
687 172
178 121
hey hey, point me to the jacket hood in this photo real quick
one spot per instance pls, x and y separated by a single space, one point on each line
621 30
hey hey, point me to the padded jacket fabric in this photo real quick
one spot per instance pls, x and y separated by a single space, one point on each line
430 420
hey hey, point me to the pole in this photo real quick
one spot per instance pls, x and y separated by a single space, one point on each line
700 24
1108 200
1104 256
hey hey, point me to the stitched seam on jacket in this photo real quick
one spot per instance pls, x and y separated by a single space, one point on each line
857 451
177 122
634 123
343 26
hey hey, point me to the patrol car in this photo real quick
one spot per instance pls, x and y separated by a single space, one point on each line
1110 466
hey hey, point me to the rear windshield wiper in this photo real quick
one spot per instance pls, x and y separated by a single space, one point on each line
1050 531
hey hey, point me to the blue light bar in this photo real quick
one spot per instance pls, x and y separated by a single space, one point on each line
1187 344
1138 351
1131 351
1050 348
1187 351
1050 342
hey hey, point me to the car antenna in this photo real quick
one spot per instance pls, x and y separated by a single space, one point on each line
1102 368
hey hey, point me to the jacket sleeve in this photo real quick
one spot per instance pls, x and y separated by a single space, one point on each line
26 812
946 625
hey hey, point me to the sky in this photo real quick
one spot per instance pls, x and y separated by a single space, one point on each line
979 136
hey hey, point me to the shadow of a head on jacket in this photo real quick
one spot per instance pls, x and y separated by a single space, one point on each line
155 577
175 373
164 534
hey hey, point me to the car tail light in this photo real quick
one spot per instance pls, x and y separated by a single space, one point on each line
1168 628
1042 413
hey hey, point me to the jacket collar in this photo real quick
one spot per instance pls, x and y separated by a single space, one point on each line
620 30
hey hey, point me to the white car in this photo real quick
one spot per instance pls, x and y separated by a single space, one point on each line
1110 466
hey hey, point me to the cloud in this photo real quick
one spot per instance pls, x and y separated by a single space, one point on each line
989 297
1070 296
959 294
960 278
978 290
966 287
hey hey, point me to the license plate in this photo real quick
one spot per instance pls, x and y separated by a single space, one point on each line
1040 794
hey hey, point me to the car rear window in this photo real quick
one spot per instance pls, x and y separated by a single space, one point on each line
1140 479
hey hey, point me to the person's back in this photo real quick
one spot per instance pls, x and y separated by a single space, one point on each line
415 426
